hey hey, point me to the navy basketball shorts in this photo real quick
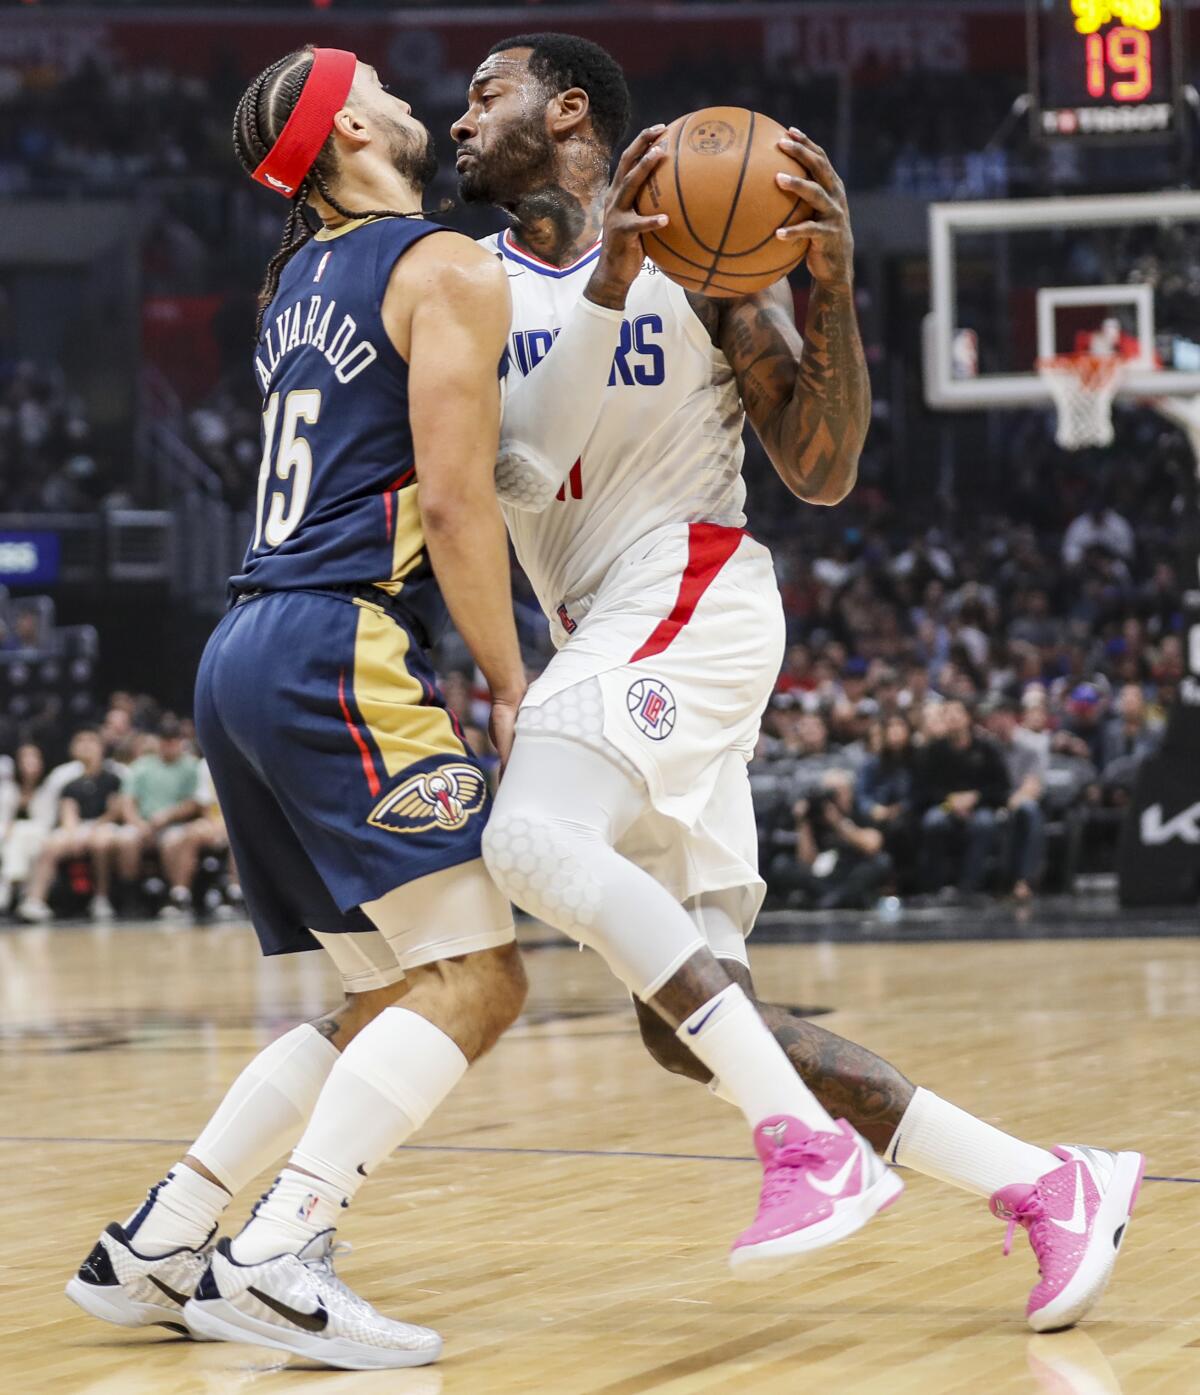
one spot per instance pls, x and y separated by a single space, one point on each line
340 771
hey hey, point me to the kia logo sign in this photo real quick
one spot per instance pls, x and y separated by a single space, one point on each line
1184 826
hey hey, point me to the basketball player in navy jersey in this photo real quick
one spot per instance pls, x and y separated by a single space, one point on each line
620 477
353 805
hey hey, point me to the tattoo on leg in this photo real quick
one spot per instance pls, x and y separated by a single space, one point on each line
851 1082
331 1023
700 979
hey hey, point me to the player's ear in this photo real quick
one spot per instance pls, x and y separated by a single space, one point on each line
567 111
349 126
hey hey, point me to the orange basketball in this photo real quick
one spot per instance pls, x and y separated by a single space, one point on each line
718 188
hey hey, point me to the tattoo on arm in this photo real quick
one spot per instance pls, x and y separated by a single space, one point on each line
809 400
708 312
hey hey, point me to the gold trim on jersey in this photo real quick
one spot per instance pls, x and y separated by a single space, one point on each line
390 699
328 234
408 539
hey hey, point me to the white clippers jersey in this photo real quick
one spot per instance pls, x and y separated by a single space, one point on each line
667 448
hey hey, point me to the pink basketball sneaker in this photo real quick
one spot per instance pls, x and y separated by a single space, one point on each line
1076 1217
817 1189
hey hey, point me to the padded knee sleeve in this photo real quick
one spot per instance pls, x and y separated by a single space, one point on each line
549 847
542 866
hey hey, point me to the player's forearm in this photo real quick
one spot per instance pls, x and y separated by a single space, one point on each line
550 414
468 548
824 425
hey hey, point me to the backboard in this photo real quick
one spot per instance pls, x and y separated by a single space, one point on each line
1019 279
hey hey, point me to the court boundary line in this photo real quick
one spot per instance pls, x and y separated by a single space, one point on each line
70 1139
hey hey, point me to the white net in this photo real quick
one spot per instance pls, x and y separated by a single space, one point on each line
1083 387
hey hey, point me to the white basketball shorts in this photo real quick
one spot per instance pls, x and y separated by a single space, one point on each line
684 639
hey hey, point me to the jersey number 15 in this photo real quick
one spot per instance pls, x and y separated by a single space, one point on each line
280 510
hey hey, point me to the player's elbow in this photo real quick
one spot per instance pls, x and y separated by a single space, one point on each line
827 495
449 512
525 479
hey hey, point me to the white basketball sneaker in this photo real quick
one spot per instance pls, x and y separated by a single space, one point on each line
118 1285
297 1303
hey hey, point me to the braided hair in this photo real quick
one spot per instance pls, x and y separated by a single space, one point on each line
261 114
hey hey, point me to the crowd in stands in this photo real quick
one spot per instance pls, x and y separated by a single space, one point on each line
963 709
128 822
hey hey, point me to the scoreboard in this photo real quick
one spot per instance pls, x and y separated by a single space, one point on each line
1105 71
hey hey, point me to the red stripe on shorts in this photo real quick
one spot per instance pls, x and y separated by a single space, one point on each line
367 763
709 547
395 485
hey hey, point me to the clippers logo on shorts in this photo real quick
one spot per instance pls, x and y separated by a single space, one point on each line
444 799
652 707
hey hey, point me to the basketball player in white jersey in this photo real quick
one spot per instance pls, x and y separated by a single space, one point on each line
625 817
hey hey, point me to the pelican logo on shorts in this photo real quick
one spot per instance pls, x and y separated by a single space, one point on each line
711 137
652 707
442 799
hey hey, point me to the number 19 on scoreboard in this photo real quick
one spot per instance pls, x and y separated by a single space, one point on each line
1105 71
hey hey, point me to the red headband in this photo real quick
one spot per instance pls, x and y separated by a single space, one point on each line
307 129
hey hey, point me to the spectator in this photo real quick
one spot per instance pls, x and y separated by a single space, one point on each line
1098 527
1026 758
183 844
962 783
885 789
1129 734
27 808
836 863
88 804
1084 723
159 792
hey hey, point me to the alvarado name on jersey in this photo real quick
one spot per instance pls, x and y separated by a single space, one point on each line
309 323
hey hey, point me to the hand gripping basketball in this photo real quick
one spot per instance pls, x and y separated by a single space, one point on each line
826 221
622 254
719 187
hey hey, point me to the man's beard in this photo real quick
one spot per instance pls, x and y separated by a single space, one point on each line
415 158
521 160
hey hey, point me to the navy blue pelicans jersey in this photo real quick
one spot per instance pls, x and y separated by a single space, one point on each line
340 770
337 490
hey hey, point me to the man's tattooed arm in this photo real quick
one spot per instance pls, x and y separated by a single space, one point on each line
808 399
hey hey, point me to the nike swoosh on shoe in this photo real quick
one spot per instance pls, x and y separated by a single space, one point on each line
837 1183
1077 1225
310 1322
173 1294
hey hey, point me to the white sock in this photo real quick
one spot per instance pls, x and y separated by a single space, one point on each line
946 1142
266 1108
181 1211
729 1036
385 1085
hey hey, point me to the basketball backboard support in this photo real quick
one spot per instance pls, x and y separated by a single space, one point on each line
1018 384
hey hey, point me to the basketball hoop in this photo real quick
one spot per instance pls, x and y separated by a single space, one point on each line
1083 387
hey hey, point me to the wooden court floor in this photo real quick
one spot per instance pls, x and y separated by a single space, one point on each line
563 1221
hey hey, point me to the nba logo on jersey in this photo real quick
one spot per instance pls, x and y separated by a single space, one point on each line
652 707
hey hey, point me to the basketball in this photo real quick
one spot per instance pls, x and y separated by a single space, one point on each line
718 189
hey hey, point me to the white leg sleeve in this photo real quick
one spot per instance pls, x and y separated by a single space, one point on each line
549 846
266 1108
